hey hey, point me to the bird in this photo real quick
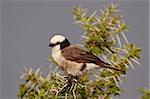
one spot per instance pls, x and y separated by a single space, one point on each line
73 59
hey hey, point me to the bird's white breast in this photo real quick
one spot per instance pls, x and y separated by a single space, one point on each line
70 67
57 57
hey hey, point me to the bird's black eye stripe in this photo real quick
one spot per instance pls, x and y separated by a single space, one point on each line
52 45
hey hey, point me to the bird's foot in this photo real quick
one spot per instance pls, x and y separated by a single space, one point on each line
71 81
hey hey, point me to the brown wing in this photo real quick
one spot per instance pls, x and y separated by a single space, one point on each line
74 53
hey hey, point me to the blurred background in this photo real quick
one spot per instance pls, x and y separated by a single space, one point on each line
27 25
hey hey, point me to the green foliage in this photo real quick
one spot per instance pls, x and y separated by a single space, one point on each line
103 36
145 93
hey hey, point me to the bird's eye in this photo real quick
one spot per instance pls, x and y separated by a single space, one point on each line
57 43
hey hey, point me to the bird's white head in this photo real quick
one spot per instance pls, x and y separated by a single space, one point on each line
57 38
58 42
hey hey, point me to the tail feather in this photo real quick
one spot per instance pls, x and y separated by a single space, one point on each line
106 65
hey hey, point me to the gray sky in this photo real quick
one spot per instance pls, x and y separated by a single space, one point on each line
27 26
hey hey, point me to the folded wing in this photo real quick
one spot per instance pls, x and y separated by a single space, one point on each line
75 53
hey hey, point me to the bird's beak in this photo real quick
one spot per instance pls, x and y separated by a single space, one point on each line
50 45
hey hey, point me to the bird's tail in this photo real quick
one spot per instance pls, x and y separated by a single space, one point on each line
106 65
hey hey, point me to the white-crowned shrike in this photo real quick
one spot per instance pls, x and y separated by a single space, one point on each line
73 59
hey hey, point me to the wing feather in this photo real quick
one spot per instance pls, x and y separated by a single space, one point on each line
75 53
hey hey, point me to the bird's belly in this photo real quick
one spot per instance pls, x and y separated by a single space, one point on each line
70 67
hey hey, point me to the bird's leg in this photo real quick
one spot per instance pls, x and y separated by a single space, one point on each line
71 81
68 84
76 77
70 78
